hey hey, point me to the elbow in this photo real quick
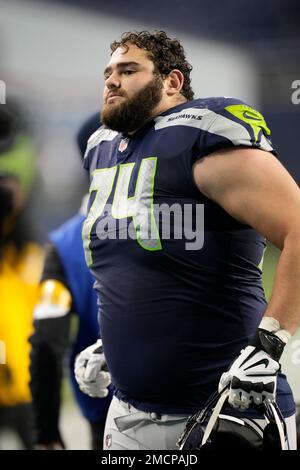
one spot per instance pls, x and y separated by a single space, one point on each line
293 236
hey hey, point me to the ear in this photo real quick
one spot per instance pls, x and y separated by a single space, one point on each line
174 82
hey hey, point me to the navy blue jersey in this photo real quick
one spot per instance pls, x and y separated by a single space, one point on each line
178 300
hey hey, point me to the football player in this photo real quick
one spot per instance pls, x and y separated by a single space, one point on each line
181 315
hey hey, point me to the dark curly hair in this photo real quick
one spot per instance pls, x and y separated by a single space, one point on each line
166 53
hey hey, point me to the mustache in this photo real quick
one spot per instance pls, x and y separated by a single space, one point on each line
116 92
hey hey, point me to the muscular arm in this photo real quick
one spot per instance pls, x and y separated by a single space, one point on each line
254 188
49 342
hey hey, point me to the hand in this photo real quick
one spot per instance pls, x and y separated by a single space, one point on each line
91 371
252 378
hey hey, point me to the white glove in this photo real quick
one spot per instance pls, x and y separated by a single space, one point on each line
252 378
91 371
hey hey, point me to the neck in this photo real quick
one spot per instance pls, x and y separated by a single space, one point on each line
162 107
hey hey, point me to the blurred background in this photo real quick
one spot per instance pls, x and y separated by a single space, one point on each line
52 54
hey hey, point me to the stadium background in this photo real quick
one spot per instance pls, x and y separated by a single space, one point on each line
52 54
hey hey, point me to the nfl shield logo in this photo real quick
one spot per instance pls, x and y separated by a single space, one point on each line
123 144
108 441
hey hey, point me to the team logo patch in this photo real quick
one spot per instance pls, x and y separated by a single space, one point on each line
108 441
123 144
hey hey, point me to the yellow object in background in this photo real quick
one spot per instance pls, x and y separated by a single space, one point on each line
19 287
54 300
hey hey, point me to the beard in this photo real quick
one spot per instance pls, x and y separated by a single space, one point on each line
135 111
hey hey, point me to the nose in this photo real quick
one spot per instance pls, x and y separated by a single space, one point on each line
113 81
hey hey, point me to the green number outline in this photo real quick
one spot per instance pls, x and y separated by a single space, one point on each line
89 223
131 214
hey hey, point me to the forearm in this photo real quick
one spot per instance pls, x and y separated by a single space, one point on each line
49 343
284 305
46 374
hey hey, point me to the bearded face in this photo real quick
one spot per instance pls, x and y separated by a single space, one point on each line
128 114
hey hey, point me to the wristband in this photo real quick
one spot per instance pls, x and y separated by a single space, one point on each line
270 337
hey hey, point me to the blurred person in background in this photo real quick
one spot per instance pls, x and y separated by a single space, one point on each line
21 258
66 287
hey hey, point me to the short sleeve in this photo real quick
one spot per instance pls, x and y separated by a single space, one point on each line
235 124
101 135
